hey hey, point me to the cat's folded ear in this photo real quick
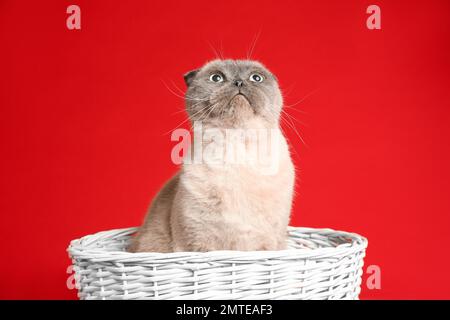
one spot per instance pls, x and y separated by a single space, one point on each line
188 77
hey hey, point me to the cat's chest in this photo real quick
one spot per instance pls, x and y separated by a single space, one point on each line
241 181
238 187
257 184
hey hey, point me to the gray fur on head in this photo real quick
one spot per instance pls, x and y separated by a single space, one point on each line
236 97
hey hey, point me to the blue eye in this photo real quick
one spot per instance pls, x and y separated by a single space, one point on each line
256 77
216 77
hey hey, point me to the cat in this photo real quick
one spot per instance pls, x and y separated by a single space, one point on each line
206 206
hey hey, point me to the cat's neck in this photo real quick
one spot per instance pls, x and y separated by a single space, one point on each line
256 123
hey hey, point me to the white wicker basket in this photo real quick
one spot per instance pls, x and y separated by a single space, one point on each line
319 264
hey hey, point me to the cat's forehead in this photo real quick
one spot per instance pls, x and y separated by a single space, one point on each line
235 66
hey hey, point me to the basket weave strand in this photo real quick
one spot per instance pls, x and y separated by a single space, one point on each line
318 264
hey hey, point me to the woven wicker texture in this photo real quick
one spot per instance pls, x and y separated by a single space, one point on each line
318 264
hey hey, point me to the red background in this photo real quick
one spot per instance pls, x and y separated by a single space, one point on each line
84 117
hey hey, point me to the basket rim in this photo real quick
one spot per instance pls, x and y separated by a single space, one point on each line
77 250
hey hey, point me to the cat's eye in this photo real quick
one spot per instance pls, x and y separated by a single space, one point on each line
216 77
256 77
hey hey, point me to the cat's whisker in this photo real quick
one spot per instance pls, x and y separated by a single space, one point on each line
289 124
216 53
184 108
206 92
286 91
292 126
250 52
295 109
301 100
188 119
284 134
293 118
176 87
180 96
214 106
178 111
222 54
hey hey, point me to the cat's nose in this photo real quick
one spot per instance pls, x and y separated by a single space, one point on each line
238 83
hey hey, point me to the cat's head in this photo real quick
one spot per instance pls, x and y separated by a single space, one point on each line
231 92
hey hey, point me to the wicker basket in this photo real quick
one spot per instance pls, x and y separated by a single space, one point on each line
319 264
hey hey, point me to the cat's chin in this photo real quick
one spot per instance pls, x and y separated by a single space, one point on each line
239 101
238 111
